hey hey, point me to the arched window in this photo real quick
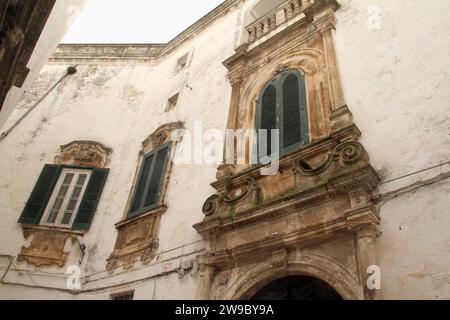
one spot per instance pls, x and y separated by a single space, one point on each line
283 106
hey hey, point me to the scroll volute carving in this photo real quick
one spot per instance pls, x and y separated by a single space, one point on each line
84 154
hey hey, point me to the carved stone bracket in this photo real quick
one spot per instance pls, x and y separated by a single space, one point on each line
84 154
47 246
136 241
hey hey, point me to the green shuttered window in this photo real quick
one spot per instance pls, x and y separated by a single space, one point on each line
283 106
149 184
65 197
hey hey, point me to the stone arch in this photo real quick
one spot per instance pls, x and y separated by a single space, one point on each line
322 268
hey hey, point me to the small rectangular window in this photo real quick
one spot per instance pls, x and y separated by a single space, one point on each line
123 296
66 197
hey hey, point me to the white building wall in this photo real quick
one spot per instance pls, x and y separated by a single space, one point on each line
395 82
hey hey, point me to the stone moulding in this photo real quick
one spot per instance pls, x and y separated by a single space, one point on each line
137 240
47 246
84 154
139 54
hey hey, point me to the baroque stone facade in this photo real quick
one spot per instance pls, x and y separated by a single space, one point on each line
363 200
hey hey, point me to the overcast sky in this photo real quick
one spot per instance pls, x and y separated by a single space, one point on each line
136 21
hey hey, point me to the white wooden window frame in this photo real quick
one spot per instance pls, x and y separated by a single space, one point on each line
68 196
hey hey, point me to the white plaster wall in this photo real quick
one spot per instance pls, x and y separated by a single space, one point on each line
58 23
396 83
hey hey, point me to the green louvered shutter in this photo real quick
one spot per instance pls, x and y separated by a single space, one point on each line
295 118
90 199
41 194
142 183
268 118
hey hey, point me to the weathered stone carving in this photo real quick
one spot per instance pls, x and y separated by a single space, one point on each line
248 194
84 154
315 214
47 246
346 153
137 240
21 24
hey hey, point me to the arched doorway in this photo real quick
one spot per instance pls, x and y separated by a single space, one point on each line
297 288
